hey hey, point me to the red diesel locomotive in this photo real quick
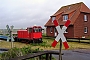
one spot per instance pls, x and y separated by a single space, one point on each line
31 34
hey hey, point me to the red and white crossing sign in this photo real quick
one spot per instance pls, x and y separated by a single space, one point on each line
60 34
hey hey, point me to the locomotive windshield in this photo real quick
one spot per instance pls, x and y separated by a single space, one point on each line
37 29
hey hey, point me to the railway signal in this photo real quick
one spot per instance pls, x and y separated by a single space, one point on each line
10 34
60 34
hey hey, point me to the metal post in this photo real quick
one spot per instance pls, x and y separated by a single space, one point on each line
11 36
11 43
60 52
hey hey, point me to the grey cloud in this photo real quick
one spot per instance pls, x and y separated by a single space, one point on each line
24 13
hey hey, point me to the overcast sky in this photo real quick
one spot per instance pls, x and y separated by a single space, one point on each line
25 13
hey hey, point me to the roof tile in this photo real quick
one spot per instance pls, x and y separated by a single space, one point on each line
72 10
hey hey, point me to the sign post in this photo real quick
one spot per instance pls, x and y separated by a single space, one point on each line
10 34
12 39
60 35
60 50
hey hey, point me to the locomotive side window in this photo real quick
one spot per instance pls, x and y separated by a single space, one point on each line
30 30
37 30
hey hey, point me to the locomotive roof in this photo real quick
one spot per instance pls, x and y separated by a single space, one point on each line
35 27
22 30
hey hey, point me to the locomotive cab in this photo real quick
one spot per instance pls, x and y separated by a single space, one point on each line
35 33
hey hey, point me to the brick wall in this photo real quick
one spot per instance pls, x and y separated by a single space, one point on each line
76 30
70 33
80 24
48 33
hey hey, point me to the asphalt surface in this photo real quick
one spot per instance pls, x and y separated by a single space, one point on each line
78 54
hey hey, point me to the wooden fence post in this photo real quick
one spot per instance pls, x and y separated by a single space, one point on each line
47 56
40 57
50 56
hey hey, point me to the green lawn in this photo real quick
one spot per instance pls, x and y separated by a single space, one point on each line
46 45
72 45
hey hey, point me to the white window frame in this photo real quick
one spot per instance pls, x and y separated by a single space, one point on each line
85 17
85 29
65 17
53 18
50 29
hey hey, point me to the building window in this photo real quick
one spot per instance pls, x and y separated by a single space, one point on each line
85 29
65 17
53 18
85 17
50 29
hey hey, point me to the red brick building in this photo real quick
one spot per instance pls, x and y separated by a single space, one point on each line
78 13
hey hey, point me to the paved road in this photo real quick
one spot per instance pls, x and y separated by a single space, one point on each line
79 54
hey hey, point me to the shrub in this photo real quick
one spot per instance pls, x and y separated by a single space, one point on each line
16 52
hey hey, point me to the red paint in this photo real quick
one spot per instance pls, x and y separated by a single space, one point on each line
54 43
65 45
22 34
67 23
55 22
30 34
37 35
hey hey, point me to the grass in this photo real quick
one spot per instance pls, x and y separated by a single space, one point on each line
46 45
5 44
16 52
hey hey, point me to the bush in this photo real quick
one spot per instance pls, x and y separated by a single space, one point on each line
16 52
43 44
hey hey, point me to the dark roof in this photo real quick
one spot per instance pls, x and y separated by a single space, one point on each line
72 10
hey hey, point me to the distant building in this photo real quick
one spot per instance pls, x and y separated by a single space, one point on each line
78 13
4 31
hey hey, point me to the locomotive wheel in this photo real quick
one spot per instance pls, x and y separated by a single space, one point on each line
40 40
31 41
24 41
35 41
27 41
